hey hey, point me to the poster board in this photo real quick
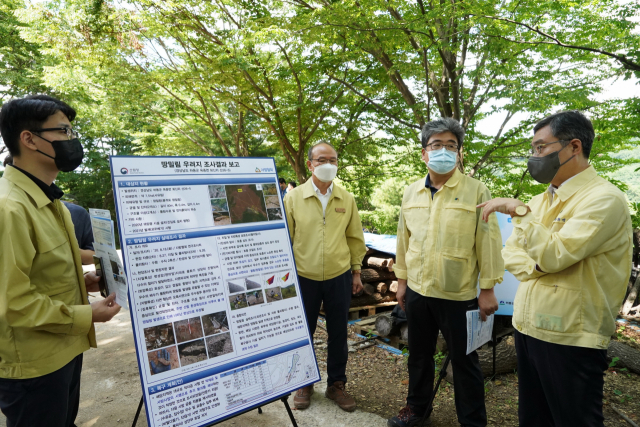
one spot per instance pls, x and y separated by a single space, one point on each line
218 320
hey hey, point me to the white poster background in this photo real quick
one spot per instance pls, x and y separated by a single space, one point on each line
218 321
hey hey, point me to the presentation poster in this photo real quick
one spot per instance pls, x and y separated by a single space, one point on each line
215 304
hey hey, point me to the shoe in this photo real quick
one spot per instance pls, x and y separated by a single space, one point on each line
337 393
406 418
302 398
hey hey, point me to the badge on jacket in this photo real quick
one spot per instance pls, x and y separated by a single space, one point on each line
341 210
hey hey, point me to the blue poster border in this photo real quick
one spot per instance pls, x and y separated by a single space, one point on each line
150 421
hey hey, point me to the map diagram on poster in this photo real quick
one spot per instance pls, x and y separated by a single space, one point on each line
215 304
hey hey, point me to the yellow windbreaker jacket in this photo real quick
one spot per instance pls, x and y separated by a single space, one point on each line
45 319
324 247
443 244
582 241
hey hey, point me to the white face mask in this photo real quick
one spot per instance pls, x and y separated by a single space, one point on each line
326 172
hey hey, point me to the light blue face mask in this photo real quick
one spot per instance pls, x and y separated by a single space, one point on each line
442 161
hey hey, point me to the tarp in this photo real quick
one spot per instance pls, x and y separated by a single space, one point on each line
381 242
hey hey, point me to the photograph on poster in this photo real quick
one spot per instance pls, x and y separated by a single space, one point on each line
274 294
236 285
274 214
273 202
238 301
218 345
215 323
159 336
288 291
187 330
252 283
192 352
217 191
219 206
254 298
246 204
163 360
269 190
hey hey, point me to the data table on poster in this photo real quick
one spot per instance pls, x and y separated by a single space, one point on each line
215 304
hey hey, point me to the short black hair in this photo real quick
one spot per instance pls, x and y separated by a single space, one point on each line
310 152
293 184
568 125
444 124
282 181
28 113
7 160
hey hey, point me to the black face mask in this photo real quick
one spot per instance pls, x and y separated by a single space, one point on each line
544 169
69 154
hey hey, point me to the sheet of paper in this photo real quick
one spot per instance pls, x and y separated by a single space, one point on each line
102 226
113 273
478 332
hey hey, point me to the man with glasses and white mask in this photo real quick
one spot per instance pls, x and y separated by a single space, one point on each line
444 250
571 249
328 245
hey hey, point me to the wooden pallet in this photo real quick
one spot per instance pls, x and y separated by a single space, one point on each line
368 310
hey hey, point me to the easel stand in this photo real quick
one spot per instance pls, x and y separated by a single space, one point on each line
284 400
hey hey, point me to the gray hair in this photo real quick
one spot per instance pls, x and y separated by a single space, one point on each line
445 124
310 152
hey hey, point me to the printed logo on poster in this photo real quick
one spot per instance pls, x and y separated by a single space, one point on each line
124 171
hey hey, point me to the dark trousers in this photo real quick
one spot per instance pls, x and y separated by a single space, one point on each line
51 400
426 316
335 295
559 385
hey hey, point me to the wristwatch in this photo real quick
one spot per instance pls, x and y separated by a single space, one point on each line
522 210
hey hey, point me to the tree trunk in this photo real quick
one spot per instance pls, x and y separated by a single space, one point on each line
371 275
385 326
382 287
628 357
506 360
631 299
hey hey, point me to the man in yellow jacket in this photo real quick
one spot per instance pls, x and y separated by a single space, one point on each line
571 249
443 252
328 246
46 322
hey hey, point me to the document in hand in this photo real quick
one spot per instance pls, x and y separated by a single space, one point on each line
478 332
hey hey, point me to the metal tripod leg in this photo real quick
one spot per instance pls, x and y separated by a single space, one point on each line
441 375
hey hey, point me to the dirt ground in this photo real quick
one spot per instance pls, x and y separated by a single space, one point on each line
111 390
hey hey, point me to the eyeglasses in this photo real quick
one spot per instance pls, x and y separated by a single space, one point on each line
537 150
324 161
71 134
438 146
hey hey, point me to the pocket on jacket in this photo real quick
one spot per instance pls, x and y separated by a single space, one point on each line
556 309
460 228
453 272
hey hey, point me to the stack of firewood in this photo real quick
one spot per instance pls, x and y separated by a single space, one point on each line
379 281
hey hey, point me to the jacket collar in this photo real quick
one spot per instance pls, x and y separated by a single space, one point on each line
309 191
27 185
577 182
451 182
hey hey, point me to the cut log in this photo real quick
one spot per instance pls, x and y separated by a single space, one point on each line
385 326
369 289
372 275
390 264
506 360
404 332
371 251
382 287
393 286
628 357
379 262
